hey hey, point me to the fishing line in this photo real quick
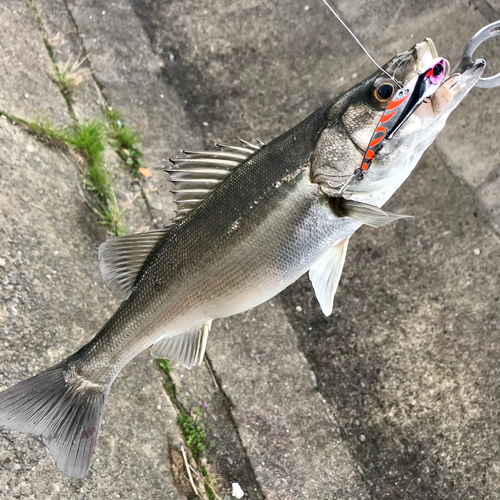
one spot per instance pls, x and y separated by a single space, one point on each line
361 45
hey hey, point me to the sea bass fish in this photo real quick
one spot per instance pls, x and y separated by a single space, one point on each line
251 220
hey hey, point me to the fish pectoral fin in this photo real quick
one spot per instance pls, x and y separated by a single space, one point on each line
186 348
325 275
121 259
362 212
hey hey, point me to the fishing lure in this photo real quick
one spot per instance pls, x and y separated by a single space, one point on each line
401 105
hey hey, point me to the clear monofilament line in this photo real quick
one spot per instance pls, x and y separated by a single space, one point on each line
360 44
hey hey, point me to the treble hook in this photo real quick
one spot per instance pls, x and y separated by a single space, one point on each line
483 34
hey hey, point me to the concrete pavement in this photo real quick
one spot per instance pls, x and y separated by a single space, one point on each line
396 394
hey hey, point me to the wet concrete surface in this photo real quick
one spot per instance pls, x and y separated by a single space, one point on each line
409 357
51 301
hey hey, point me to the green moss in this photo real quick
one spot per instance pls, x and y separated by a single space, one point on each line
164 364
193 429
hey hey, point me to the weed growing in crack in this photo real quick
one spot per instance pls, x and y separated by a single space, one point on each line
210 478
194 432
46 130
126 141
69 76
165 365
90 139
193 429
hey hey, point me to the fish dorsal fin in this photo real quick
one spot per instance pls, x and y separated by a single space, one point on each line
186 348
195 176
325 275
362 212
121 259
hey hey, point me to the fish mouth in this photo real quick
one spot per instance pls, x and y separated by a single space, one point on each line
424 53
456 87
407 65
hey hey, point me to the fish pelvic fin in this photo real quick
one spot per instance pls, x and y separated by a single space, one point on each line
186 348
67 416
364 213
325 275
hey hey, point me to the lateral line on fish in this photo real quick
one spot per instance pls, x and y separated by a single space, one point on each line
361 45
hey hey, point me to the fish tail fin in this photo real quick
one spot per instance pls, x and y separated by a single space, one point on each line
67 415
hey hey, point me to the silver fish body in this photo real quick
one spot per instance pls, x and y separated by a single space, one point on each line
260 228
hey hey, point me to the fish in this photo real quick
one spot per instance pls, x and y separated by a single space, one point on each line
252 218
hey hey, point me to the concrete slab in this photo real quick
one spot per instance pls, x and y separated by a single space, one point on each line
409 357
130 76
62 35
292 439
26 86
52 300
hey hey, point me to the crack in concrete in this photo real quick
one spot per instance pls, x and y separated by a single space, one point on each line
98 85
33 7
172 395
229 405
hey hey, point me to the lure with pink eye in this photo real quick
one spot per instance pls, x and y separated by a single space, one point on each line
437 72
403 103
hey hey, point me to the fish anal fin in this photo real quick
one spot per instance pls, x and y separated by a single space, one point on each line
186 348
122 258
325 275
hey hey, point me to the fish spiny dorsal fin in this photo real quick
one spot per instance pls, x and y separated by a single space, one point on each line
121 259
195 176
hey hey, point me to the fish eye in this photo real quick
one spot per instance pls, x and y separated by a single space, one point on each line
382 93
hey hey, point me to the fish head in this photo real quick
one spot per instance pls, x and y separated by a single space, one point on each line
355 116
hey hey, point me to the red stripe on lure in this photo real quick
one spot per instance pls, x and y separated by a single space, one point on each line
395 103
387 116
402 105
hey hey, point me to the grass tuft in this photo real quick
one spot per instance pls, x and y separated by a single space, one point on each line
126 141
45 129
69 76
90 139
